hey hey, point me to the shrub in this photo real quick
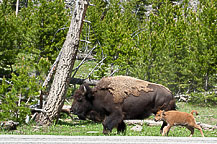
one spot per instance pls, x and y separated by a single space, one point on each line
19 94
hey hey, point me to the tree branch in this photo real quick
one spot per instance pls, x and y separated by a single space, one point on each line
96 67
82 81
81 56
83 61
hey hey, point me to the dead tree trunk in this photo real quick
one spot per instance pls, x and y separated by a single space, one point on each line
17 7
64 68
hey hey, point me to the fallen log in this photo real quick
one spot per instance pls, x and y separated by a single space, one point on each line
153 123
207 126
142 122
81 56
82 81
66 110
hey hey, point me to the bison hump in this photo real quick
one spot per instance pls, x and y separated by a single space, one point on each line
123 86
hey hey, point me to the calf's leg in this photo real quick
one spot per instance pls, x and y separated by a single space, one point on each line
162 127
198 127
166 130
191 129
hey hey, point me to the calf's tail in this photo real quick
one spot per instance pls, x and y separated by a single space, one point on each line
194 111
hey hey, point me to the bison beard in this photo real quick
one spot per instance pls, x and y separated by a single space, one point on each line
118 98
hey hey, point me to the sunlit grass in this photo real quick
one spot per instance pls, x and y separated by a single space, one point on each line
69 127
207 114
88 128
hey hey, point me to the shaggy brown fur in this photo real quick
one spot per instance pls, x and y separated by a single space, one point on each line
122 86
134 101
175 118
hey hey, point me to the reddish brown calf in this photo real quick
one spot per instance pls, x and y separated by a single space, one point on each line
175 118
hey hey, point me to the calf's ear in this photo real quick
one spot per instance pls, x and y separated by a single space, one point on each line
163 113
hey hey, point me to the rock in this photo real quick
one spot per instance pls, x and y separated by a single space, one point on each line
134 122
92 132
9 125
137 128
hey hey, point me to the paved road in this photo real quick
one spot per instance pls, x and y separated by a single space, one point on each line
50 139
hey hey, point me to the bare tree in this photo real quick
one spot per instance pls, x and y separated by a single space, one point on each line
17 7
64 68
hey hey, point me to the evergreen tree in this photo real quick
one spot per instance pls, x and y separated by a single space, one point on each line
29 43
46 24
10 38
113 24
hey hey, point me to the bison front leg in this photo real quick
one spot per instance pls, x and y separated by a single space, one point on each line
121 127
115 119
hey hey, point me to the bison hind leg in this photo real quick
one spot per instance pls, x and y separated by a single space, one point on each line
121 127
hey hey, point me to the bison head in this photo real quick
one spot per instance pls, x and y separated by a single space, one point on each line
82 103
159 116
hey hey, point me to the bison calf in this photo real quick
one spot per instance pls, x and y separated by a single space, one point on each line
175 118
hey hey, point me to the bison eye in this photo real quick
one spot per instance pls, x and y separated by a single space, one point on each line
79 100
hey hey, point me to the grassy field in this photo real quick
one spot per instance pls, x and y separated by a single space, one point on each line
207 115
66 126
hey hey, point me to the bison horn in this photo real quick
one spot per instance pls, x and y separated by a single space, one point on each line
85 89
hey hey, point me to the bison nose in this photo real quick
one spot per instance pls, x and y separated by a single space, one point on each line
72 111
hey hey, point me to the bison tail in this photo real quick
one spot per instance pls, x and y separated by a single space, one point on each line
171 105
194 111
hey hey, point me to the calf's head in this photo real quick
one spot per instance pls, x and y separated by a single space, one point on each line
159 116
82 103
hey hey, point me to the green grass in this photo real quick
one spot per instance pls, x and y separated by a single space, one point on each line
88 128
85 69
207 114
66 126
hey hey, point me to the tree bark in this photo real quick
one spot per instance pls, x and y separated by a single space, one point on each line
64 68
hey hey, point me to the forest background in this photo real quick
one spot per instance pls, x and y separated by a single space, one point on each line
161 41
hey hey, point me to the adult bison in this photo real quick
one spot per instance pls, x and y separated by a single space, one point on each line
121 98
